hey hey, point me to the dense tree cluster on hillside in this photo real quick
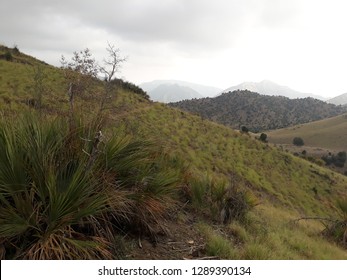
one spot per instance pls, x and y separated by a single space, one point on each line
259 112
338 160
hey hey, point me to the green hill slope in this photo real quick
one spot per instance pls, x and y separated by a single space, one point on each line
259 112
328 133
263 190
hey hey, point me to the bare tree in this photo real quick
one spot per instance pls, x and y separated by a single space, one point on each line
112 63
82 68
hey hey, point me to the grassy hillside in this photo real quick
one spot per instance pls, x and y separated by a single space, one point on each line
329 133
259 112
323 141
193 187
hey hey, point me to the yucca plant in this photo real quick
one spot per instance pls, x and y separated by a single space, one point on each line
66 191
49 202
237 201
142 183
337 230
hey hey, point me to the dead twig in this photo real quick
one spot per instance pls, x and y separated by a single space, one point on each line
315 218
205 258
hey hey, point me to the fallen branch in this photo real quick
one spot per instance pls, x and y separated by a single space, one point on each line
204 258
315 218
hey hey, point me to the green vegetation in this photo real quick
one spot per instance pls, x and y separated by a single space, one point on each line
96 180
69 186
324 141
298 141
338 160
263 137
328 134
259 112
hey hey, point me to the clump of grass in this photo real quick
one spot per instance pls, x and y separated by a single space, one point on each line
216 244
236 204
257 251
238 232
199 190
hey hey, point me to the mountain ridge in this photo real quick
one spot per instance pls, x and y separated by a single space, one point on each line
259 112
162 90
173 93
267 87
339 100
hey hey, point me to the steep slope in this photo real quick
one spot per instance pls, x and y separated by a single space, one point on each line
284 184
259 112
267 87
216 160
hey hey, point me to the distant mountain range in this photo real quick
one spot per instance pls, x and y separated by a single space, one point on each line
172 93
259 112
267 87
173 90
339 100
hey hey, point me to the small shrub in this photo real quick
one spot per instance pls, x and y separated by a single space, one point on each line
244 129
298 141
8 56
263 137
236 204
16 49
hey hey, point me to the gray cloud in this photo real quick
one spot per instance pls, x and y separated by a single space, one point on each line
199 24
176 38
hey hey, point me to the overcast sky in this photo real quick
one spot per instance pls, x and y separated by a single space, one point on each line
298 43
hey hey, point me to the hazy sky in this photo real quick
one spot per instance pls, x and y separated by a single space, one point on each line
298 43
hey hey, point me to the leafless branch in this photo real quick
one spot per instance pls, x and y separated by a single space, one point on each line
112 63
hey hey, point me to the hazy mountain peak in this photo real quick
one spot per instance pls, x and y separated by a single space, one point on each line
174 90
339 100
267 87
